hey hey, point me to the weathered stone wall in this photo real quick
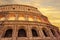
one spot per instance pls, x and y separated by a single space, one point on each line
15 25
28 26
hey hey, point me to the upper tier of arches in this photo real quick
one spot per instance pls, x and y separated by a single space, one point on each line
29 10
20 17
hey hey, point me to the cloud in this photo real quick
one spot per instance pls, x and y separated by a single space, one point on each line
19 1
52 13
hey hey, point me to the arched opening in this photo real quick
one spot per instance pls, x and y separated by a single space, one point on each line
22 33
34 33
45 32
30 18
2 17
11 16
8 33
21 17
38 19
58 32
53 32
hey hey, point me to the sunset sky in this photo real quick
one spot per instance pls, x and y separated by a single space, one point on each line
49 8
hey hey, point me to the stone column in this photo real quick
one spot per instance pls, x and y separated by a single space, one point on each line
35 18
40 32
6 16
56 33
50 33
1 33
14 35
26 17
29 32
16 16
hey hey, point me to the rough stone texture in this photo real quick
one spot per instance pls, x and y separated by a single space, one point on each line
16 24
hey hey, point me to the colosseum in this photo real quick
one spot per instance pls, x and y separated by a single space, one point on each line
23 22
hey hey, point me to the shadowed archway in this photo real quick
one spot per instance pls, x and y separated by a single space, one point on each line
22 33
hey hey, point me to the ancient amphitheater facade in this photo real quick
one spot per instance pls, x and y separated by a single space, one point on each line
23 22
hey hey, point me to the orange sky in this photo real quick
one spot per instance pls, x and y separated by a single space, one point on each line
49 8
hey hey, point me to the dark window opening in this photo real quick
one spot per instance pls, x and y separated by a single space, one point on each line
45 33
28 9
13 8
34 33
8 33
22 33
58 32
53 32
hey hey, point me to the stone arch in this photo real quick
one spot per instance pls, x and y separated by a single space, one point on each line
2 17
30 18
53 32
21 17
45 32
58 32
34 32
22 33
8 33
11 16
